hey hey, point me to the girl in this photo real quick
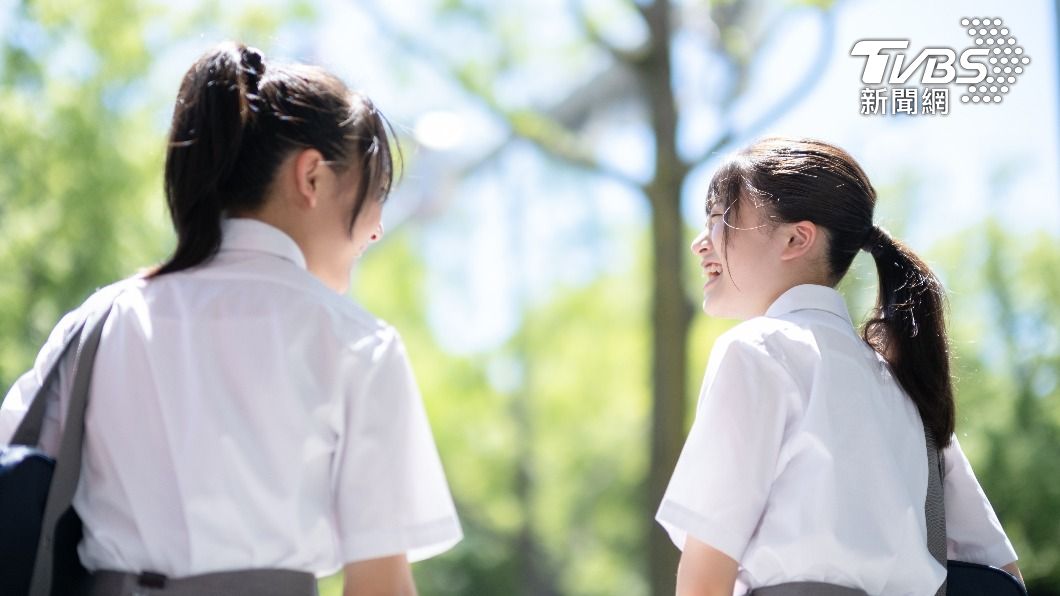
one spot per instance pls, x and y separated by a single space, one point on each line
243 414
807 458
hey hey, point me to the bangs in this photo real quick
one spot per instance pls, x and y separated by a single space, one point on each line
726 186
375 142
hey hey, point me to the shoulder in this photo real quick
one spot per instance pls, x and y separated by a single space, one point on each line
358 329
296 301
60 336
339 318
766 336
777 348
755 365
96 302
355 330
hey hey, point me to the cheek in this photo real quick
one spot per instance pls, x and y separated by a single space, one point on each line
753 260
718 238
367 223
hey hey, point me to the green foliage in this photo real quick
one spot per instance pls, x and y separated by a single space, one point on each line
470 424
541 437
544 439
1005 322
80 185
78 168
527 408
588 429
580 366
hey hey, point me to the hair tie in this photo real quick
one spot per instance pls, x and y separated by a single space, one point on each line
252 63
877 240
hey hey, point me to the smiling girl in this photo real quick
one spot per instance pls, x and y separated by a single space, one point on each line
806 461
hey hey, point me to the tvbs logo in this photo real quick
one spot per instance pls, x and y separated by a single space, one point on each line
989 68
938 63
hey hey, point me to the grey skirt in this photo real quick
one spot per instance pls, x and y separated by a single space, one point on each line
250 582
807 589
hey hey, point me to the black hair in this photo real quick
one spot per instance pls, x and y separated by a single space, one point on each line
810 180
237 118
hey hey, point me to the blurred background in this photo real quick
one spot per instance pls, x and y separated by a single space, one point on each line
556 156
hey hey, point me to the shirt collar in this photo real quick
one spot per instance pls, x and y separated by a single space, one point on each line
258 236
810 296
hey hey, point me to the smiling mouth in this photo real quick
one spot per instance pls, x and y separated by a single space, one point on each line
712 271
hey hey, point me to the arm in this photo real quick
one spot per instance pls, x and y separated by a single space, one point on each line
973 530
392 503
17 402
386 576
722 481
705 571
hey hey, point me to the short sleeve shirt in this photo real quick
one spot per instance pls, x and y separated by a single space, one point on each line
807 461
242 414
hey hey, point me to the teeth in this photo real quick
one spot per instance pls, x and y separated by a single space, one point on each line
714 269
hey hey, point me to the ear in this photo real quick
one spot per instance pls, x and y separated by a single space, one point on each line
308 168
799 239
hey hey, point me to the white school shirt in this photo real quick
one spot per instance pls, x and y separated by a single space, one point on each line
807 461
242 414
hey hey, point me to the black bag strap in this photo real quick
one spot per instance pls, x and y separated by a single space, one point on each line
68 463
935 505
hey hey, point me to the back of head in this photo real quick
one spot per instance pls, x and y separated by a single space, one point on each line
811 180
237 117
802 180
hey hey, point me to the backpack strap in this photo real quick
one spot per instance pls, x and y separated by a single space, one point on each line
935 505
68 463
32 423
935 514
29 429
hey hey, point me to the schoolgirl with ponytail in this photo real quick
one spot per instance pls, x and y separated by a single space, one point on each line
249 427
805 470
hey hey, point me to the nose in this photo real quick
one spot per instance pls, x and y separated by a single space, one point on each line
378 233
701 244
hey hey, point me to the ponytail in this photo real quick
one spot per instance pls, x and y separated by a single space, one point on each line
908 328
234 123
812 180
213 110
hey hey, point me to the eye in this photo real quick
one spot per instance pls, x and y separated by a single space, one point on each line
714 218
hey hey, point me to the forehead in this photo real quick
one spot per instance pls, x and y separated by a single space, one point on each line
725 187
723 198
716 205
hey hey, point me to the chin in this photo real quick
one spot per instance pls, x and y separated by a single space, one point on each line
717 310
712 309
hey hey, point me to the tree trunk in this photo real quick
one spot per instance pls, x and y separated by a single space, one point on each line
670 322
670 313
535 576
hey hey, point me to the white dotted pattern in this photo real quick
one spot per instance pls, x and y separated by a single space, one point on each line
1006 59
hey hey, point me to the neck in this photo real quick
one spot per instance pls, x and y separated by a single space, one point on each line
274 214
781 289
